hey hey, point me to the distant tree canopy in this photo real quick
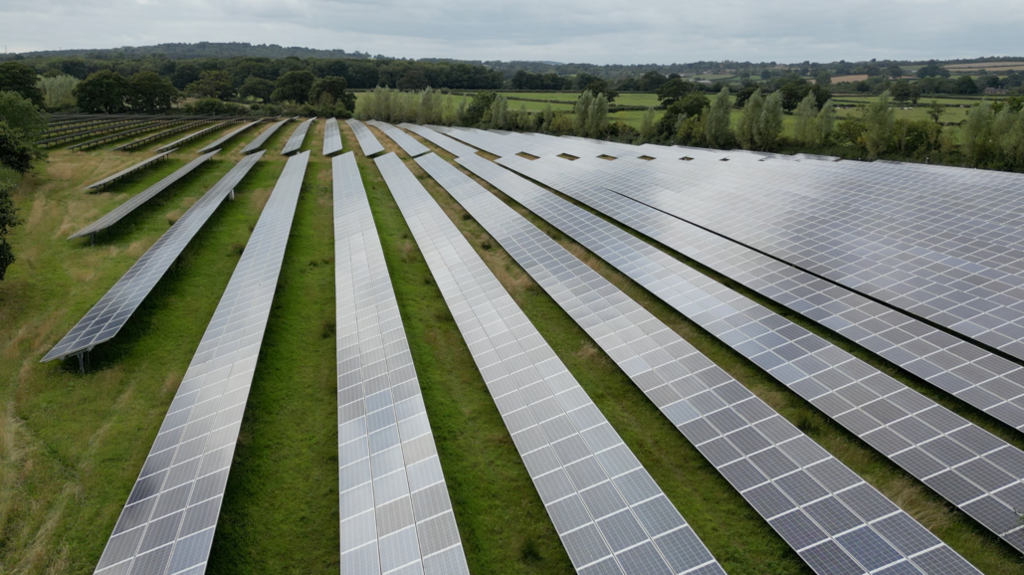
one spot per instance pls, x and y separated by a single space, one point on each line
932 70
17 77
103 92
151 93
211 84
330 91
256 88
294 86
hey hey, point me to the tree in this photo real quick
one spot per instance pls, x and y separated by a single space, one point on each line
744 94
601 87
932 70
8 218
17 77
935 110
185 74
22 116
823 79
904 91
58 91
878 126
693 104
258 88
294 86
718 121
336 87
750 121
480 105
581 113
770 125
16 150
212 84
651 81
806 113
894 72
647 128
977 138
824 124
674 90
965 85
151 93
499 112
597 118
793 92
103 92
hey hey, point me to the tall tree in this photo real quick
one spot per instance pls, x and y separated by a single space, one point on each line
718 121
22 116
212 84
647 127
977 140
825 124
17 77
597 118
581 113
806 113
294 86
750 120
258 88
337 88
8 217
103 92
499 112
878 126
151 93
770 125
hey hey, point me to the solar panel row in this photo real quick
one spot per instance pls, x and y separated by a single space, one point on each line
833 519
258 142
126 208
395 510
111 137
109 315
298 136
408 144
219 143
168 522
980 378
609 513
451 145
332 137
159 135
128 170
970 467
367 141
195 135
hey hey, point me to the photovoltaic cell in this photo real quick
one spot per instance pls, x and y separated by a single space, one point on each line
926 439
128 170
220 141
168 523
972 374
257 143
129 206
404 141
367 141
109 315
769 461
451 145
393 497
332 137
599 497
193 136
298 136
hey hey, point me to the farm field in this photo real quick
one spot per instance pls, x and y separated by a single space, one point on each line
72 444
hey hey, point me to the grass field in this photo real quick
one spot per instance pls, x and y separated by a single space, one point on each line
71 445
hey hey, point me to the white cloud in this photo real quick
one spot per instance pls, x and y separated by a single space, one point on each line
597 31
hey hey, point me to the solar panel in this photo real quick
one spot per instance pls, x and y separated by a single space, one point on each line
168 523
128 170
769 461
404 141
393 497
332 137
194 135
220 141
927 440
451 145
258 142
298 136
972 374
109 315
608 512
367 141
128 207
939 244
142 128
159 135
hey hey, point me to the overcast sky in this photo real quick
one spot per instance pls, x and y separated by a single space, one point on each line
594 31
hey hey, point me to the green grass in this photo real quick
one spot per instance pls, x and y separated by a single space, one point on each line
71 445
